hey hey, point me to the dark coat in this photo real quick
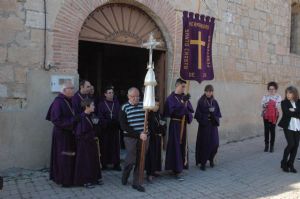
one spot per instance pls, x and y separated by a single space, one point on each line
287 114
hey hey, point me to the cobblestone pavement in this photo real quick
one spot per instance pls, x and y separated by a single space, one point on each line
242 170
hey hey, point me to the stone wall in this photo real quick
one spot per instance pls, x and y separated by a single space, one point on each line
251 46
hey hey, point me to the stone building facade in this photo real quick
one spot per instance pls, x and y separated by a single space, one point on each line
251 46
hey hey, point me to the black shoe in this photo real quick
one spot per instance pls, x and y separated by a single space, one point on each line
89 186
179 177
266 148
202 167
271 149
139 188
284 167
292 168
212 164
100 182
156 174
125 178
117 168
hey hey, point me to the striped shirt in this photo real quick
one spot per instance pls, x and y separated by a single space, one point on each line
135 116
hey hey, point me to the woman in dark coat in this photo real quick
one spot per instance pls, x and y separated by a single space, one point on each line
208 115
290 122
87 165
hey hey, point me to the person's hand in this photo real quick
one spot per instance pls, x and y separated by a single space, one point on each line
143 136
292 109
186 97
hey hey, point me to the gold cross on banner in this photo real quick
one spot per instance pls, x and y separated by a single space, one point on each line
200 43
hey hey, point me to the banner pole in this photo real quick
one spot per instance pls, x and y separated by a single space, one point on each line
174 55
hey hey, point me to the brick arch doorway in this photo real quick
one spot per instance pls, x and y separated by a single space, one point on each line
110 49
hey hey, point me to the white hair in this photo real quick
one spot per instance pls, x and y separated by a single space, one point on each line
130 90
65 85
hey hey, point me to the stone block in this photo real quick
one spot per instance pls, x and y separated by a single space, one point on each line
3 91
240 65
25 56
245 21
12 25
253 45
243 43
3 54
22 38
20 74
251 66
286 60
6 73
252 77
37 35
35 19
8 5
35 5
17 90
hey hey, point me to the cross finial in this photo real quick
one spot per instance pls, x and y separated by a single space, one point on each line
151 44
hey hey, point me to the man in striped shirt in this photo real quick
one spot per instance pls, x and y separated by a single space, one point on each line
131 119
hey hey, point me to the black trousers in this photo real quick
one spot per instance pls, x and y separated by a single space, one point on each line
290 151
269 130
1 183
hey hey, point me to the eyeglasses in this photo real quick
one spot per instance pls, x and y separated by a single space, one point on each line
70 88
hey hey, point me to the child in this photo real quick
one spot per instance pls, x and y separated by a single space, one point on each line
157 130
87 166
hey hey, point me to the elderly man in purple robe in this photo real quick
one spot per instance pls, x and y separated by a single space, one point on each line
84 92
62 115
87 166
179 109
108 113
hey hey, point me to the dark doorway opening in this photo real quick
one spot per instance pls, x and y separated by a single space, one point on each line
121 66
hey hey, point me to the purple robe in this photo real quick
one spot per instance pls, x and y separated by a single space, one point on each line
157 131
177 153
76 102
207 138
62 160
87 167
108 112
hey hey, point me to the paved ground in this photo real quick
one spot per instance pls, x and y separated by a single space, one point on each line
242 171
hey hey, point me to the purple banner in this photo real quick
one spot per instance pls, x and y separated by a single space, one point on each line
196 59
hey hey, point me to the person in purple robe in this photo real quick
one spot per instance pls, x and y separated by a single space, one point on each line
88 164
157 130
208 116
84 91
108 113
63 153
179 109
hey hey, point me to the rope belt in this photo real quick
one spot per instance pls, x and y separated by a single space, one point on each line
176 119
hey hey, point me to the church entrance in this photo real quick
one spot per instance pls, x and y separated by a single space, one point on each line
110 50
117 65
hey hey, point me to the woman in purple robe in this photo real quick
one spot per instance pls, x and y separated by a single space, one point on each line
88 165
62 116
157 131
208 116
108 112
